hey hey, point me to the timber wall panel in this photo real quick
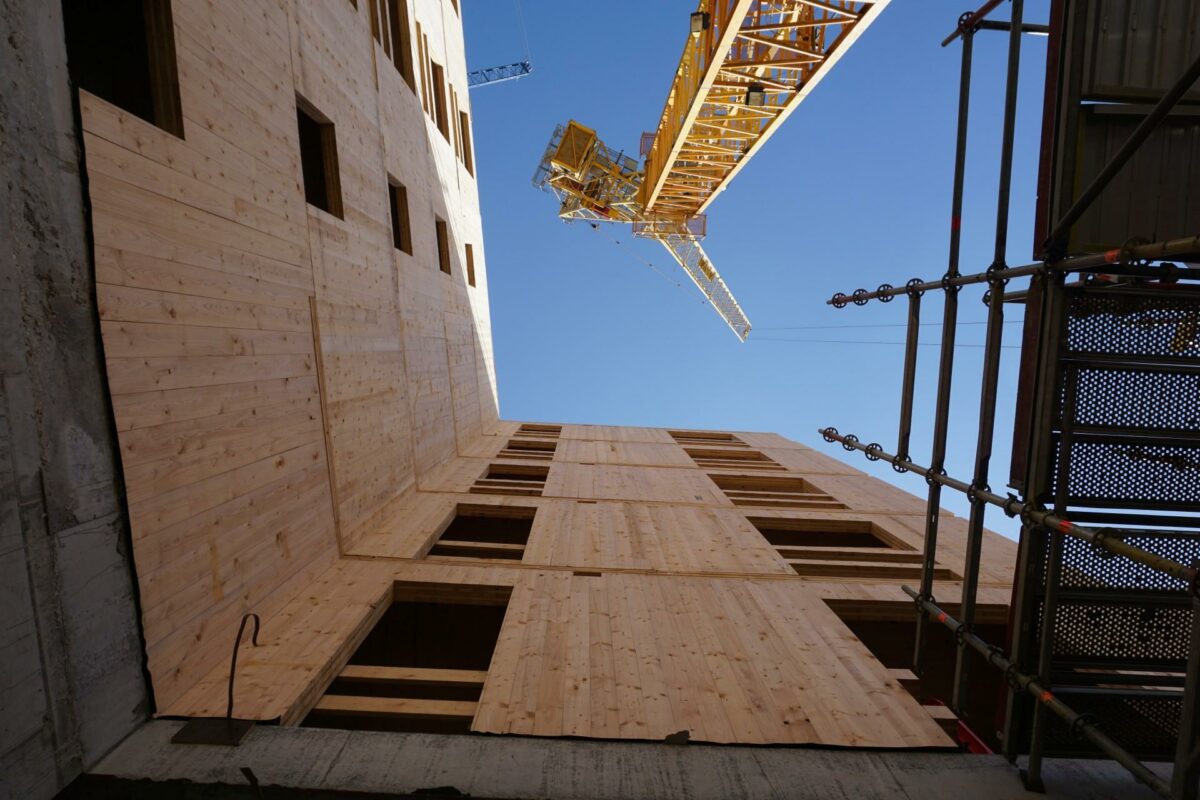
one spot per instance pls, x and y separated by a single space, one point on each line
642 656
301 408
278 375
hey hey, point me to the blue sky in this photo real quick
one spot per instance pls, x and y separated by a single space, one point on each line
853 191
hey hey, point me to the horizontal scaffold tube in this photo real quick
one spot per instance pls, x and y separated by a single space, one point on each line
1146 252
1079 724
1106 539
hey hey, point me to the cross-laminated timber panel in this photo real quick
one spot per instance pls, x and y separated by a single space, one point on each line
623 655
632 619
279 376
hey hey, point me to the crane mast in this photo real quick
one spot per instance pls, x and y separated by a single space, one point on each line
746 65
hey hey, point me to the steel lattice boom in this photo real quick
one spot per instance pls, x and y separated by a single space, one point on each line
506 72
595 183
737 81
746 66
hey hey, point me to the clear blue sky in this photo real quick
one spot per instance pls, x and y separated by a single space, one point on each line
853 191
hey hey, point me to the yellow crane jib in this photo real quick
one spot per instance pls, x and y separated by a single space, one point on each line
746 65
593 182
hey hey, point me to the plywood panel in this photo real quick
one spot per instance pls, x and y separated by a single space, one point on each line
727 660
255 423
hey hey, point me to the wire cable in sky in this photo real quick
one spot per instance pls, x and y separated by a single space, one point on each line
596 227
882 325
524 34
867 341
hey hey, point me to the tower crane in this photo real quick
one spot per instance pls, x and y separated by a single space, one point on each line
746 66
505 72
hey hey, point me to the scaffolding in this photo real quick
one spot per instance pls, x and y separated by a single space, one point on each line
1104 653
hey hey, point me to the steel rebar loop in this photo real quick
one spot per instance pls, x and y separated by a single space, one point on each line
237 645
1108 539
1079 724
1158 251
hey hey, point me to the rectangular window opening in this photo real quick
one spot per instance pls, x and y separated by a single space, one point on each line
887 629
514 479
440 115
542 450
398 23
774 491
786 532
123 51
470 253
423 666
707 438
401 229
718 458
843 548
486 532
443 244
318 159
464 124
533 427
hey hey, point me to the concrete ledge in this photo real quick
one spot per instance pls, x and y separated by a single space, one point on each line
278 762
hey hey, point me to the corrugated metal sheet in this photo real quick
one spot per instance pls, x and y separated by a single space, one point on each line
1155 196
1137 48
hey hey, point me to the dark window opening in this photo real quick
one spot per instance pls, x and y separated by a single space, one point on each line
318 159
516 479
707 438
464 124
401 230
470 252
540 449
440 114
782 532
486 532
401 40
443 244
532 444
389 26
124 52
843 548
888 631
423 666
512 472
774 491
533 427
728 458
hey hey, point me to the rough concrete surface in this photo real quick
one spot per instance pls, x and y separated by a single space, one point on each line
71 681
400 764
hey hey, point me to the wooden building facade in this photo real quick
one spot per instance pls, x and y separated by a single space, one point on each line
293 296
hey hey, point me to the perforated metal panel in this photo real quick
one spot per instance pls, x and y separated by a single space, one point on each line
1130 399
1099 633
1131 322
1122 472
1126 397
1085 567
1129 407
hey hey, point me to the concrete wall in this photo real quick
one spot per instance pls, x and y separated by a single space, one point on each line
71 680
